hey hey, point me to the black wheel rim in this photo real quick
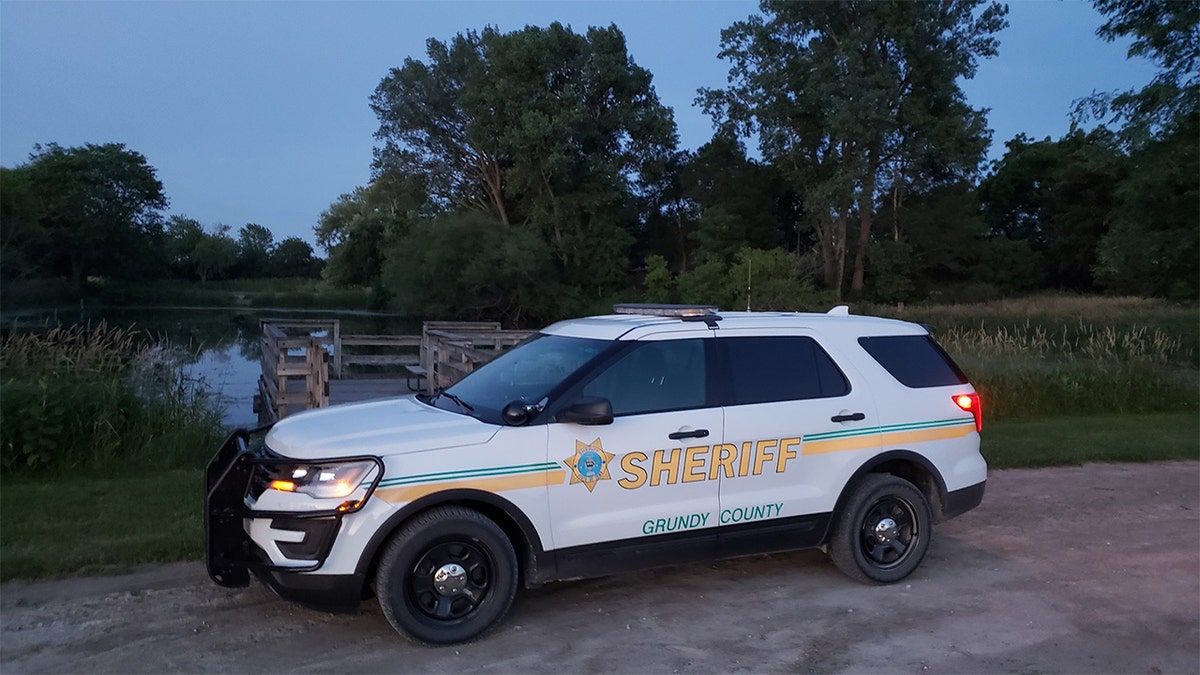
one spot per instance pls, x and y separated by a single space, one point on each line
890 532
450 580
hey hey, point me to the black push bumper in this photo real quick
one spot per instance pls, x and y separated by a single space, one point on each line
231 555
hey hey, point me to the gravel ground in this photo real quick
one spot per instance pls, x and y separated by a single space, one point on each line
1082 569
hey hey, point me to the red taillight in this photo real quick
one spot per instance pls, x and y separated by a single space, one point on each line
970 403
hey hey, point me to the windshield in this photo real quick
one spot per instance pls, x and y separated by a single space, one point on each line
527 372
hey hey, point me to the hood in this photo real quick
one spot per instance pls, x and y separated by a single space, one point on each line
383 427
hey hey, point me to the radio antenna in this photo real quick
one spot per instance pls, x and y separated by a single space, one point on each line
749 271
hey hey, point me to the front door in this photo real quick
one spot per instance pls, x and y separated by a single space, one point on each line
646 474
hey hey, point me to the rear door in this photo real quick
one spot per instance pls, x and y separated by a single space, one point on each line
798 422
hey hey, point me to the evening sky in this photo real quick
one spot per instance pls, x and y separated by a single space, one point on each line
257 111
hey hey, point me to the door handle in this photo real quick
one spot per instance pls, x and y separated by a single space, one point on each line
698 433
856 417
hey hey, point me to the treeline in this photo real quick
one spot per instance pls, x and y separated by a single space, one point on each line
97 210
535 174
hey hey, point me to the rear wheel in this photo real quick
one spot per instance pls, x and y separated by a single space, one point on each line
883 531
448 575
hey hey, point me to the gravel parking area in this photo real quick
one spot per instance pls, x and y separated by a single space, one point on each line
1080 569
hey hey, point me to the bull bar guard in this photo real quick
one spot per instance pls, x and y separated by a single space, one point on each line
230 554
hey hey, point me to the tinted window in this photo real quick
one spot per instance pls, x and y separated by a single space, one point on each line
780 368
915 360
654 377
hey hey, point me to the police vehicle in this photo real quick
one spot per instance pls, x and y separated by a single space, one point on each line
658 435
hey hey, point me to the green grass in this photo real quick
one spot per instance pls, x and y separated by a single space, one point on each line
54 528
84 525
1063 441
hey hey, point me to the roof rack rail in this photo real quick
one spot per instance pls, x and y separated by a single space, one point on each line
677 311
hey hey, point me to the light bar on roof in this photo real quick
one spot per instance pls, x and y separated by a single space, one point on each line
679 311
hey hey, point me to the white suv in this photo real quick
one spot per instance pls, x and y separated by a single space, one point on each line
654 436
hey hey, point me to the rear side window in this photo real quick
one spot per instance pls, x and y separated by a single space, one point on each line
780 368
915 360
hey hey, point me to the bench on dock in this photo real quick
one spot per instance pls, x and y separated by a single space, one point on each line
417 374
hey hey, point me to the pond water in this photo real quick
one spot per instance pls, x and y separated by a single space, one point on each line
220 344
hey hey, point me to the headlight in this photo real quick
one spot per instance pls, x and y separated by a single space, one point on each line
321 481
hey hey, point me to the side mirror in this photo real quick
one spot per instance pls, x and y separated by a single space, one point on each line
591 411
515 413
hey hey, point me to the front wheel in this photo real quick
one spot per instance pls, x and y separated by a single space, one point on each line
448 575
882 532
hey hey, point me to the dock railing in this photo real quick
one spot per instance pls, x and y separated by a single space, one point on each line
288 360
386 351
300 356
453 349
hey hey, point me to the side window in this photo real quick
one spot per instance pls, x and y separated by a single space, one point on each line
915 360
780 368
654 377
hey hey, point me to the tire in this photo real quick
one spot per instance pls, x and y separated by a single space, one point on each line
448 575
882 533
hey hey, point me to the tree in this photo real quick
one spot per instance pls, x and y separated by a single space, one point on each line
354 228
23 243
847 95
1152 245
1152 242
293 257
543 129
183 235
579 131
671 214
215 254
255 244
100 207
1168 33
425 125
503 274
1057 196
743 203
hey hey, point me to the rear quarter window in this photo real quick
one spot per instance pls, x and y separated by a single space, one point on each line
916 361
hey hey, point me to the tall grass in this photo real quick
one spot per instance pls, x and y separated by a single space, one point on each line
1068 355
101 399
1069 343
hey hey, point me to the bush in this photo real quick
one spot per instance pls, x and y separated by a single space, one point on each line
104 400
766 280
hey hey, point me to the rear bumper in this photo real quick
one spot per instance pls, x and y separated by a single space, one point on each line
960 501
231 555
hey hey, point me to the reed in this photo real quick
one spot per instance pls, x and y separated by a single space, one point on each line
1034 371
100 399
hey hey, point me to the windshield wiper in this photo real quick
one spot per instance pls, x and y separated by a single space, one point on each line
461 403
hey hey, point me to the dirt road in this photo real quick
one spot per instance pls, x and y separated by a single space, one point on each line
1086 569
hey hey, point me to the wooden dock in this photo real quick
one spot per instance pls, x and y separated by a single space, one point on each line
310 364
365 389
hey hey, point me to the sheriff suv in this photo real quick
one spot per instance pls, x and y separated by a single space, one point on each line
658 435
